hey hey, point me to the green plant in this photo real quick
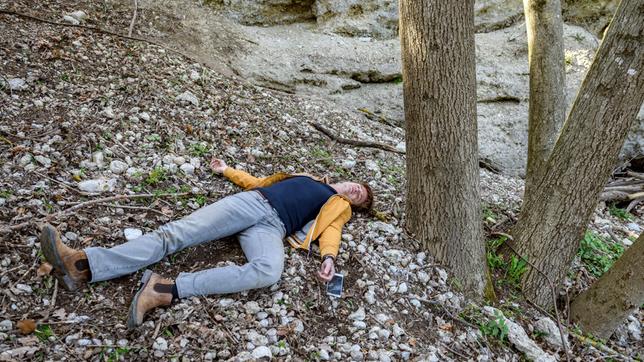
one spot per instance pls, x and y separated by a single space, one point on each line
489 215
201 200
155 176
153 138
43 332
495 327
620 213
515 270
495 261
199 149
569 58
578 37
398 79
281 344
597 254
116 354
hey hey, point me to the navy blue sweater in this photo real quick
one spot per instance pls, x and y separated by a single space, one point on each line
297 200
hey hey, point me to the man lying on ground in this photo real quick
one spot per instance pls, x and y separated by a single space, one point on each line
299 206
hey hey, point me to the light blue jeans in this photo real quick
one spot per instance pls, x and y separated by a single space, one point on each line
248 214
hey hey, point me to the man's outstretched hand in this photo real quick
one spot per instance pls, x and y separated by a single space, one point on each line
218 165
327 270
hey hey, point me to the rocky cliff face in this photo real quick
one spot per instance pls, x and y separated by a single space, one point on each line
348 51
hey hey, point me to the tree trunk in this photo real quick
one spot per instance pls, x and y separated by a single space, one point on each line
443 205
617 294
557 210
547 109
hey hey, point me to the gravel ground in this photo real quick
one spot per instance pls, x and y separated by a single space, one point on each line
85 115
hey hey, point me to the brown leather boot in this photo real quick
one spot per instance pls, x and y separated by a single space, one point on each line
70 265
149 297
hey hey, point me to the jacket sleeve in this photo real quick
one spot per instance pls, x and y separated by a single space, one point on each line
241 178
331 236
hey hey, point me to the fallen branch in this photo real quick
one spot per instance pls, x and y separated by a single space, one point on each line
552 289
142 208
136 6
358 143
82 205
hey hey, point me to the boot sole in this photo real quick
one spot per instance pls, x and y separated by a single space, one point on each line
48 246
132 323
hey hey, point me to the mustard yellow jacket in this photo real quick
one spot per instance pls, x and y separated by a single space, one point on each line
327 226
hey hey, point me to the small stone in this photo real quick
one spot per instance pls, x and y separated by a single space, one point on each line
397 330
360 324
2 201
402 288
324 355
24 288
17 84
72 338
194 75
256 339
38 103
371 165
188 169
25 160
627 242
261 316
635 329
370 297
348 164
71 236
71 20
132 233
99 159
160 344
188 97
634 227
6 325
78 15
262 352
98 185
43 160
358 315
384 334
551 332
225 302
83 342
144 116
252 308
108 112
118 167
356 353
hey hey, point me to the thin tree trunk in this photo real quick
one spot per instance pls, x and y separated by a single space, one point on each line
443 205
557 210
547 109
617 294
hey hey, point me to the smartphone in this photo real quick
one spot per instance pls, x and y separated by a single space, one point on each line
334 287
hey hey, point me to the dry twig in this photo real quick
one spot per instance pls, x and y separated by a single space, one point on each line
136 7
552 289
358 143
82 205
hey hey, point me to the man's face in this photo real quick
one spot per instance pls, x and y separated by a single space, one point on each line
354 191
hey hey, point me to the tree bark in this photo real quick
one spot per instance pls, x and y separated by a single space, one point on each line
617 294
547 108
443 205
557 209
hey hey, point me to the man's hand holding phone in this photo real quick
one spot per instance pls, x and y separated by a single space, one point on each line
327 270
